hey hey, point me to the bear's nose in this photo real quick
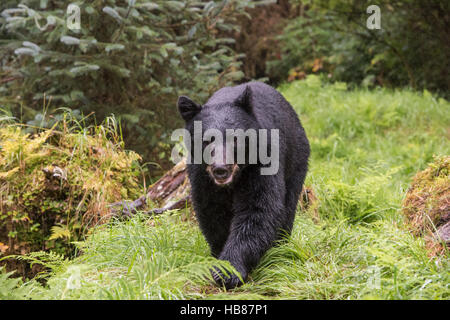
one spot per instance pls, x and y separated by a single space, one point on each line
221 172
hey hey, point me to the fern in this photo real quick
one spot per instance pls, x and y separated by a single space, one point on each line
52 261
10 288
59 232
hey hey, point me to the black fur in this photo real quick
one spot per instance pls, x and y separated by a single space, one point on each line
242 221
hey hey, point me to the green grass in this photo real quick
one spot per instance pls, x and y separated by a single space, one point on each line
366 146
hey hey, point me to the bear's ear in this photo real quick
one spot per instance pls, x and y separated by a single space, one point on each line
188 108
244 100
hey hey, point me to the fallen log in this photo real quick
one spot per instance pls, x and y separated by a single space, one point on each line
171 191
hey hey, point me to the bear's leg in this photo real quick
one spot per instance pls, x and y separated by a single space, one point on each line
216 241
250 237
212 208
214 221
294 187
256 225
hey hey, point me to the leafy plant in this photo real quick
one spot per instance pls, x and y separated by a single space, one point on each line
331 37
56 183
9 286
130 58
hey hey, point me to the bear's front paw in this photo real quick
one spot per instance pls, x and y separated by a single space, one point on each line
230 281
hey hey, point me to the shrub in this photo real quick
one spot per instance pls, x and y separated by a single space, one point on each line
331 37
56 183
131 58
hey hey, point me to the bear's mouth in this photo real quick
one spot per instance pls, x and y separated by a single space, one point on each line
223 182
223 178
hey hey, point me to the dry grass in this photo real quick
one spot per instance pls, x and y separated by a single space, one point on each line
427 202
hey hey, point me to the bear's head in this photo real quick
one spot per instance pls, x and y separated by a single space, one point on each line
223 136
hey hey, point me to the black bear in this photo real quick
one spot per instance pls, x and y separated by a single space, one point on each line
242 211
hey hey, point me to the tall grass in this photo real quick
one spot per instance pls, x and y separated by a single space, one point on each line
366 146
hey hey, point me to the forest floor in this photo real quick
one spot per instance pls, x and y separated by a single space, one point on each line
353 243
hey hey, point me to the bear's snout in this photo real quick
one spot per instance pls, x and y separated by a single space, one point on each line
222 174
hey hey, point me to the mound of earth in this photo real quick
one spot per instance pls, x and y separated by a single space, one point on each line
57 183
427 203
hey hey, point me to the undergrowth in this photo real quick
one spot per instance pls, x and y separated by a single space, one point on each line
366 147
56 183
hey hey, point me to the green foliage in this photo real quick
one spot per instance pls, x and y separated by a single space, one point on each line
331 37
130 58
11 288
342 261
55 183
157 258
366 146
363 201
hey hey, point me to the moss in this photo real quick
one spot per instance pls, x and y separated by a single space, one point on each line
57 183
427 202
